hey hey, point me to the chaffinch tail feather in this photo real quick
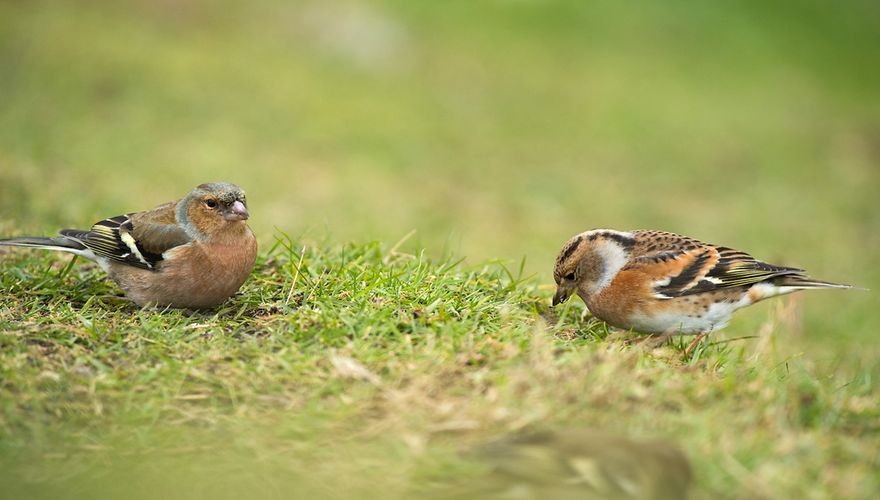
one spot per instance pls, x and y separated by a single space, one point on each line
59 244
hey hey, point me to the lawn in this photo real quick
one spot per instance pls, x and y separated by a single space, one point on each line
412 170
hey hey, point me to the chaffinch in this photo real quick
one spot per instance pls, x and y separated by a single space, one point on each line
192 253
658 282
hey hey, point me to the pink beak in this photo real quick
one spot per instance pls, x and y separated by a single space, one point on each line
237 211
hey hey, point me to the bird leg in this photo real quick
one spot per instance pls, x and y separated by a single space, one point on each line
694 343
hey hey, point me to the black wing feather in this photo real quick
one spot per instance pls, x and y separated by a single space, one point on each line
111 238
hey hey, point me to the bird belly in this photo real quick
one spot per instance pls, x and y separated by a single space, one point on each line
686 315
679 323
200 279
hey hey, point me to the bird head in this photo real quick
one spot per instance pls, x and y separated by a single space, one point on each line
566 271
588 262
212 208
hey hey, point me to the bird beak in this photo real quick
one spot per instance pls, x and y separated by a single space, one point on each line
237 211
561 296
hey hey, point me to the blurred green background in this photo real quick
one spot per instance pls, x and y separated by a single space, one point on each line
494 129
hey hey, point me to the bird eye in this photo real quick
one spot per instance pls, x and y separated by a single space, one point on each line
569 276
211 203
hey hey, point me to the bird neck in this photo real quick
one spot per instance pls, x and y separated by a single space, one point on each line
231 233
600 264
185 221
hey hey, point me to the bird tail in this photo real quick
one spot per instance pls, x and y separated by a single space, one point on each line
63 244
801 282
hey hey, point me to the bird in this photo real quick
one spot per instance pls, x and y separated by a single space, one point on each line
658 282
573 462
193 253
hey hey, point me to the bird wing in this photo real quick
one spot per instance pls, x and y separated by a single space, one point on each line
137 239
681 265
157 230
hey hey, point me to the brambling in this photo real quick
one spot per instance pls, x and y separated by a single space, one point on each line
192 253
665 283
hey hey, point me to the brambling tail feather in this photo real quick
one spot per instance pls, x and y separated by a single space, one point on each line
802 282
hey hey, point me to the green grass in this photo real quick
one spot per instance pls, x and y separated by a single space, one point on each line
353 370
494 131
